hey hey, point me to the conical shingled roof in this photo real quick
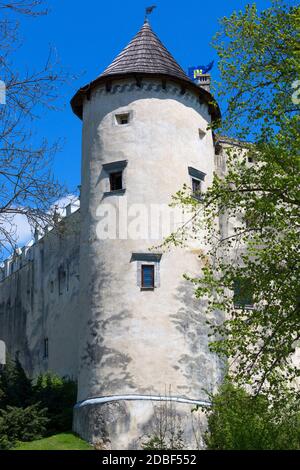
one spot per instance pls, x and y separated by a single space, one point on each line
145 57
145 54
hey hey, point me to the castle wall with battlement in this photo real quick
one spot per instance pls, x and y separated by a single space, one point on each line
39 294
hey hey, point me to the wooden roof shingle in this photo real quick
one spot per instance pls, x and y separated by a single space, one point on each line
146 54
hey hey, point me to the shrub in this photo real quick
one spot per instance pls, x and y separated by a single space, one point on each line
58 395
21 424
31 406
240 421
15 386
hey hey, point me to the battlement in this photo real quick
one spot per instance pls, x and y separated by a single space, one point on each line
24 255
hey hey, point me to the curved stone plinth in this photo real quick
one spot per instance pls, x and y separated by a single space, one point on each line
119 423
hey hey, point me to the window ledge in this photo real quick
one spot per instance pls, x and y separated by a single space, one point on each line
147 288
122 125
198 198
117 192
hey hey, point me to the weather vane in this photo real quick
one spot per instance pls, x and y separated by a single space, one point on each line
149 10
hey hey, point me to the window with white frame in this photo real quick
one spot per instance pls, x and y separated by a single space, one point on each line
197 179
147 270
196 187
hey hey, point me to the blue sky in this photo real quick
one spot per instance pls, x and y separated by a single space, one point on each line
89 34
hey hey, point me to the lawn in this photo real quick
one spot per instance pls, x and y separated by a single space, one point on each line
64 441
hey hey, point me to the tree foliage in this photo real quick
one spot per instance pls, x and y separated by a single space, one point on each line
58 396
21 424
15 386
259 247
258 62
240 421
27 184
36 408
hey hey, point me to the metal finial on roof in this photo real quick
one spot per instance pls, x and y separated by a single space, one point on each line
148 12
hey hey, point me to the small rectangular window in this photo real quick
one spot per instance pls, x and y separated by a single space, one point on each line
147 276
116 181
46 350
197 177
61 280
243 294
196 187
122 119
201 134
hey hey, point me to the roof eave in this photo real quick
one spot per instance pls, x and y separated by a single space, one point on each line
77 100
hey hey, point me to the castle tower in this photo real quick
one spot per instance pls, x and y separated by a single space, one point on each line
143 336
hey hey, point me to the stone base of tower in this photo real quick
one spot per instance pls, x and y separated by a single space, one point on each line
126 424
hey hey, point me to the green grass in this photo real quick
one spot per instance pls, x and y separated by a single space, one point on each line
64 441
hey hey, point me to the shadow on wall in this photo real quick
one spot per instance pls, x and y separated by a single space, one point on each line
203 369
106 322
13 324
151 90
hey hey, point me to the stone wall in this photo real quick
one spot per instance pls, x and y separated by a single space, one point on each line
39 294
